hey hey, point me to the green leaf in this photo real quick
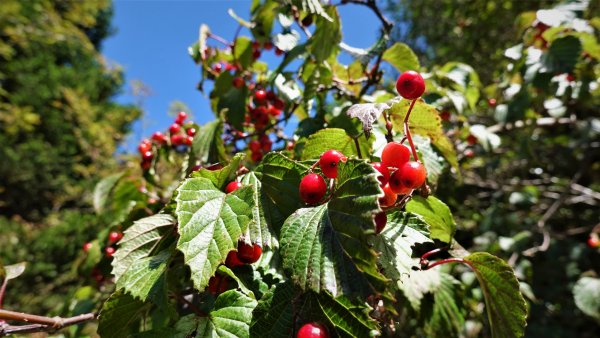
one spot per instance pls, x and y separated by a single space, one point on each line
434 164
145 278
348 319
220 178
506 307
139 240
336 139
563 54
274 315
208 146
280 177
328 35
325 247
263 19
230 316
258 228
184 328
425 121
587 296
315 7
243 52
436 214
119 314
447 317
103 190
210 223
234 102
402 57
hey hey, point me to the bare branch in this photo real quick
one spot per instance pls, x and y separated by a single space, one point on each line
40 323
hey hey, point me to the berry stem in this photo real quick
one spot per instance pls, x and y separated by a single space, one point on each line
3 290
407 131
445 261
388 125
357 147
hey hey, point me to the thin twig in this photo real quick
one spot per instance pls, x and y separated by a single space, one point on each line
41 323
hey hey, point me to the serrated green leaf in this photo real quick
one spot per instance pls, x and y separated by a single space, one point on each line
447 316
184 328
348 319
425 121
563 54
139 240
436 214
258 229
506 307
274 315
325 247
587 296
13 271
336 139
315 7
434 164
234 104
103 190
220 178
145 278
230 316
263 19
280 177
243 52
402 57
210 223
208 146
118 315
328 35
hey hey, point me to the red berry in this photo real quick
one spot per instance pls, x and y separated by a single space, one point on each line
329 162
307 21
144 146
191 131
177 139
273 111
256 54
278 51
159 137
389 197
218 67
471 139
271 95
268 45
265 143
254 145
380 222
217 284
233 186
260 95
395 154
445 115
469 153
412 174
109 251
248 253
312 330
312 188
114 236
232 260
397 185
290 145
188 140
410 85
146 165
238 82
384 176
255 45
230 67
256 156
181 117
570 77
492 103
279 104
593 241
87 246
174 128
147 156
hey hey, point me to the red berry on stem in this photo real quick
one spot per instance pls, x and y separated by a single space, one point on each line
410 85
312 330
384 176
471 139
492 102
191 131
593 241
389 197
232 260
174 128
218 67
278 51
188 140
268 45
248 253
260 95
146 165
87 246
265 143
380 222
256 54
159 137
273 111
254 145
256 156
144 146
412 174
181 117
177 139
147 156
395 154
233 186
329 162
255 45
279 104
109 251
217 284
397 185
312 188
114 236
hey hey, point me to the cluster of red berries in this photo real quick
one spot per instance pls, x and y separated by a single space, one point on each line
264 108
594 241
179 134
109 250
257 48
312 186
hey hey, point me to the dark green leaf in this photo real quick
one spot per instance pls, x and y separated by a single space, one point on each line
447 316
220 178
208 145
118 315
258 228
349 319
328 35
274 315
103 190
563 55
145 278
230 316
506 307
336 139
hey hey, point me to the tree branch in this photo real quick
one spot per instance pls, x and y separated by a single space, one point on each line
40 323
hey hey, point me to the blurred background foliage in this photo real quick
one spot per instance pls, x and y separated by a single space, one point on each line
521 103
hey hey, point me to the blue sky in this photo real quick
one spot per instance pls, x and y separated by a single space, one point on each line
151 42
